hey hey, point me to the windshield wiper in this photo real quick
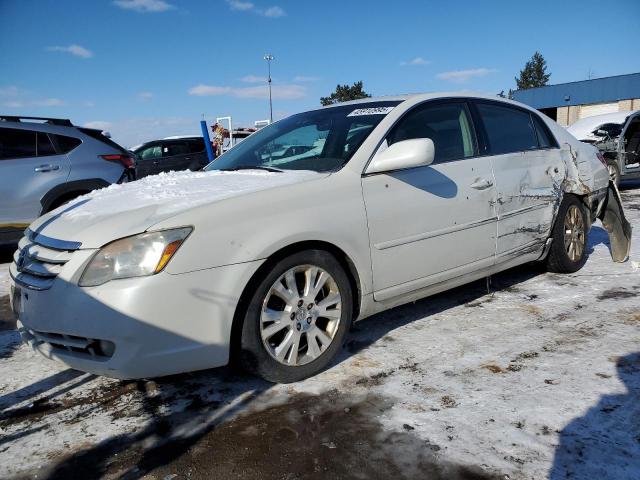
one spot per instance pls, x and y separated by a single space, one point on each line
251 167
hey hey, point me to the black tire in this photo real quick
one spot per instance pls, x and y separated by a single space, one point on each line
559 259
64 199
253 354
614 172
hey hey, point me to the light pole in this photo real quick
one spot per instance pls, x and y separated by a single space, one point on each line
268 57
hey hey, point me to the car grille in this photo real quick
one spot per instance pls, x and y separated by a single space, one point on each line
68 344
39 260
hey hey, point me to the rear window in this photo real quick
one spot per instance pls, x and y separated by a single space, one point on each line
508 129
174 148
45 147
196 145
16 143
66 144
545 139
97 134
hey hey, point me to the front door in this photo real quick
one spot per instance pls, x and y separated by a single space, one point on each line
148 160
29 168
432 223
528 169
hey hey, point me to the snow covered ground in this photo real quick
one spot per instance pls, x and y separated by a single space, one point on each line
538 379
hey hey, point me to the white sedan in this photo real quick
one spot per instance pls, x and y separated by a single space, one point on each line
270 260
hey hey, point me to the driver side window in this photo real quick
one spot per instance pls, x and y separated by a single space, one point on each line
447 124
151 152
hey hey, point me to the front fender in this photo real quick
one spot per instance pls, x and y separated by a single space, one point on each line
254 226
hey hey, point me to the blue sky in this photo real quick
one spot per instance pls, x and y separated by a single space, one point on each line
145 69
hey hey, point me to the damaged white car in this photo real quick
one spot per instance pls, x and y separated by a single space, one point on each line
617 136
269 259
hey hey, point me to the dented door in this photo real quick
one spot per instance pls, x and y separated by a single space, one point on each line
527 166
527 195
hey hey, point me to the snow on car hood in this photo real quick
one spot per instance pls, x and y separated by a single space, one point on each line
126 209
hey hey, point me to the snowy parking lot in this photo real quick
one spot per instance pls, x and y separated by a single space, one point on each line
537 377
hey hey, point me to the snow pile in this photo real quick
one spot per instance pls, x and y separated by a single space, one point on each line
175 191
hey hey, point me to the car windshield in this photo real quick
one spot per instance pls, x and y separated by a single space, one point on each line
321 140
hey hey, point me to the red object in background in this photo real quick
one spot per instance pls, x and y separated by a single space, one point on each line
125 160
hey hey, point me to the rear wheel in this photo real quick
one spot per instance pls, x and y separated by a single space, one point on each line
568 247
297 319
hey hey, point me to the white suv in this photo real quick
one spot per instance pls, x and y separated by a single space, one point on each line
270 258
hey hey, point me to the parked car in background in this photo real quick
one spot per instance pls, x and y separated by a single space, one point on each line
170 154
45 162
617 136
270 260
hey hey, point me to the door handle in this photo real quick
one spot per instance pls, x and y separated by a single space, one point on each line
482 183
46 168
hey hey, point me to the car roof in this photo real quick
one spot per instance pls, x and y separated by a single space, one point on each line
61 127
419 97
180 137
174 137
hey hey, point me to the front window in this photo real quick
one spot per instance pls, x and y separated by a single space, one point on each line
448 125
321 140
149 152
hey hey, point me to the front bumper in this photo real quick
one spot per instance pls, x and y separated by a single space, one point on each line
160 325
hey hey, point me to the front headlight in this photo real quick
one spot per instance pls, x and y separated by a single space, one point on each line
137 256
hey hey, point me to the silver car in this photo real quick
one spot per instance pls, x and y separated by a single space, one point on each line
268 259
46 162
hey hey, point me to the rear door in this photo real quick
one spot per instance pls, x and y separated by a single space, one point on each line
432 223
30 166
175 155
198 153
528 169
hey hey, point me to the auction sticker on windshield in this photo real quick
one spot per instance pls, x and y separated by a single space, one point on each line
370 111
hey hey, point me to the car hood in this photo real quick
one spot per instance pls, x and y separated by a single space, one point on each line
121 210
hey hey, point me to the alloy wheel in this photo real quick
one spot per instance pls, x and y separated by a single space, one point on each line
300 315
574 233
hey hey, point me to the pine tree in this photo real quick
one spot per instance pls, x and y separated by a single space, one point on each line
534 73
345 93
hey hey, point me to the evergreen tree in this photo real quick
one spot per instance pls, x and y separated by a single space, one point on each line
344 93
534 73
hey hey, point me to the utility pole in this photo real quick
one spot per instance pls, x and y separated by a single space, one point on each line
268 57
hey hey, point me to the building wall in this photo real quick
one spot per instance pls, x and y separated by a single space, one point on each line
628 105
562 117
566 116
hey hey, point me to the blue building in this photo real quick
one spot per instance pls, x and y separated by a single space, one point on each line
567 103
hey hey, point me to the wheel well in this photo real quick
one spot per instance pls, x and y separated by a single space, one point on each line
588 209
64 198
245 297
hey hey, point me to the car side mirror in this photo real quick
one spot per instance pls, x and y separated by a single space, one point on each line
416 152
602 133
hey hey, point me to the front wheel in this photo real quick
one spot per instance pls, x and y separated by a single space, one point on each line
298 317
570 233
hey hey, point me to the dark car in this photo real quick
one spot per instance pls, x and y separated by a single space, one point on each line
172 153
